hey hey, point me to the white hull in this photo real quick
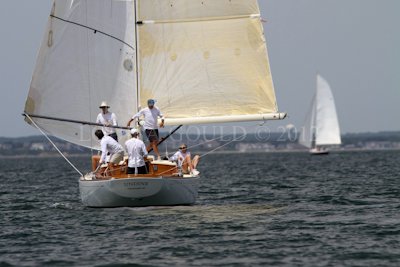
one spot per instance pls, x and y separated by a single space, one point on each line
139 192
315 151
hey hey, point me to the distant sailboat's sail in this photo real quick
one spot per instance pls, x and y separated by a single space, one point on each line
87 56
205 61
321 126
307 134
327 125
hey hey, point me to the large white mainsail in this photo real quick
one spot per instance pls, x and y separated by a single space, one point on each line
321 126
205 61
87 56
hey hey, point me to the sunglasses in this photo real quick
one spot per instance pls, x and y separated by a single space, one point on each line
182 147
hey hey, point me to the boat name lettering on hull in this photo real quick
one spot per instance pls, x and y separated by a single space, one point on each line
129 184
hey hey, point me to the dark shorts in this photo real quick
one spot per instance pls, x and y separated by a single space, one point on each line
141 170
114 136
152 135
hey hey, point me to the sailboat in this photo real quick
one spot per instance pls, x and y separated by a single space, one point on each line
321 128
203 61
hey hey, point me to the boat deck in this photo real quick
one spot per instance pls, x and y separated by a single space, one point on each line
156 169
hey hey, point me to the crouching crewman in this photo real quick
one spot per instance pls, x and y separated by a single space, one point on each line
109 145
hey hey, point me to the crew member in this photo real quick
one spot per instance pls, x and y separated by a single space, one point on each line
151 115
137 153
107 119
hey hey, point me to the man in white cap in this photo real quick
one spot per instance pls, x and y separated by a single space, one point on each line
151 115
107 119
109 145
137 153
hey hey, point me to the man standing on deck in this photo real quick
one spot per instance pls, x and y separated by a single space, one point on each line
151 115
137 153
107 119
109 145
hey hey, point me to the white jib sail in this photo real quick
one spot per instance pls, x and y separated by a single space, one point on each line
327 130
205 61
87 56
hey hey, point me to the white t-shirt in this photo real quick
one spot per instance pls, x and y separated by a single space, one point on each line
108 144
136 150
179 156
150 117
107 118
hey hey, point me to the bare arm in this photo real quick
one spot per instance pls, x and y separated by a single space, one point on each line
136 116
162 119
129 123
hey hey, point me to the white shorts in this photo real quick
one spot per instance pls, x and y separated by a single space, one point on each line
117 157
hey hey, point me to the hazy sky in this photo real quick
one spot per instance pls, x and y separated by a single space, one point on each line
354 44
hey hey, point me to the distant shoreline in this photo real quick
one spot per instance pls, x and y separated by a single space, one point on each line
39 147
201 153
44 156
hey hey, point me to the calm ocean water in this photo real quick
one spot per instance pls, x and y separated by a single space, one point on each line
284 209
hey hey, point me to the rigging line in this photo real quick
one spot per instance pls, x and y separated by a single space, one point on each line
233 140
222 136
165 138
208 141
93 29
58 150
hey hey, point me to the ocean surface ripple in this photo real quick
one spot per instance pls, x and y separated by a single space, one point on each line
278 209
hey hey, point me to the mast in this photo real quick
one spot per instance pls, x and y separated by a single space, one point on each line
314 127
135 6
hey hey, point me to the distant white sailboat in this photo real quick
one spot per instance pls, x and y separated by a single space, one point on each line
321 128
204 62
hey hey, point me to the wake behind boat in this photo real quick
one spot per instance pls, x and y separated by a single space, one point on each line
204 62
